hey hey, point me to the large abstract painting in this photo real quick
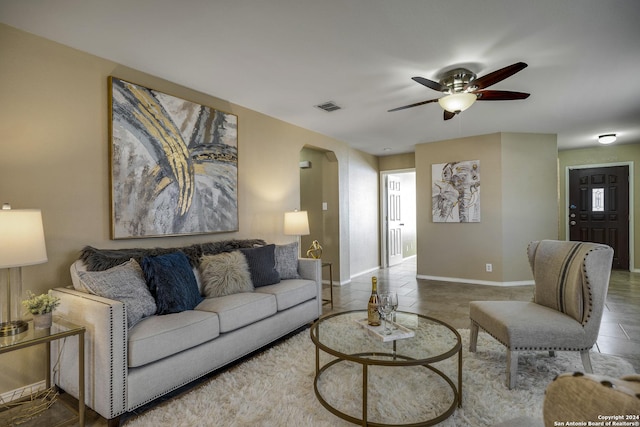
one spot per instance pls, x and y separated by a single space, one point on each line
174 165
456 191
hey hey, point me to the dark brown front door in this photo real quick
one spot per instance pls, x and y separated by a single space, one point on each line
599 209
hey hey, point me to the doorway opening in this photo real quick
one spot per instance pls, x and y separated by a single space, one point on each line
398 236
319 196
600 208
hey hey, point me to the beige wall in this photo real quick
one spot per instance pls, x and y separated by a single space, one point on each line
603 155
364 205
453 251
529 197
397 162
54 156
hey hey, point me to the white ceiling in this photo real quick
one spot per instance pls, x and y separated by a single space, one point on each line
282 57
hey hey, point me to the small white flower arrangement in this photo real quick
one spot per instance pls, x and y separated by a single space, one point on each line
40 304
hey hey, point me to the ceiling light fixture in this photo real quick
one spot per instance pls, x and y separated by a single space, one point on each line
457 102
609 138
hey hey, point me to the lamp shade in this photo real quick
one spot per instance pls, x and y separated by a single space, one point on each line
457 102
296 223
21 238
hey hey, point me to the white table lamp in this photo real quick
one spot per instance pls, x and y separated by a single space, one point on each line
296 223
21 244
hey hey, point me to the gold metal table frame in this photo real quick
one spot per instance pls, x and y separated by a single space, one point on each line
392 359
330 299
61 329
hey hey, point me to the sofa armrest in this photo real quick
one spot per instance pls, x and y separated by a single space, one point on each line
311 269
105 351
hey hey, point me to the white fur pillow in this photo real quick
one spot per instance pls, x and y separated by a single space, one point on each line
225 274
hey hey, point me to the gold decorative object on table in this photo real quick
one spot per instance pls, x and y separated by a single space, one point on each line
315 250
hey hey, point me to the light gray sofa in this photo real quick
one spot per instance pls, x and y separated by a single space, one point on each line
126 368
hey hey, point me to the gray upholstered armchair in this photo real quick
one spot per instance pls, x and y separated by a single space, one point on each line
571 281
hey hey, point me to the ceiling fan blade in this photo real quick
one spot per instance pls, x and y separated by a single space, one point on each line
430 84
448 115
412 105
499 95
496 76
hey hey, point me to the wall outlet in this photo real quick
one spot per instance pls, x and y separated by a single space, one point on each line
489 268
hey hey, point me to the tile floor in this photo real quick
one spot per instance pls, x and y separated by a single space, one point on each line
619 331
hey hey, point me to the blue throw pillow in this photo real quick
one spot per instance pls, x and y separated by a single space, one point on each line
262 265
171 282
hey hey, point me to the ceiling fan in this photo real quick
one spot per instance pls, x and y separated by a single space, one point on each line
462 89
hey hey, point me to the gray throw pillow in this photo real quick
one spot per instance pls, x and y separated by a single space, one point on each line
225 274
287 261
124 283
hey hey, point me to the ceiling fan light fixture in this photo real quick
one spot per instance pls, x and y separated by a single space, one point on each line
457 102
609 138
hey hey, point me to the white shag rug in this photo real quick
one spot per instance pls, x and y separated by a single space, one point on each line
275 388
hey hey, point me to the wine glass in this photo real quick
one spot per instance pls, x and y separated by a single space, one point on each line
394 308
384 308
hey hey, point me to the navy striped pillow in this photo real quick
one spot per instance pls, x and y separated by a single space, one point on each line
262 265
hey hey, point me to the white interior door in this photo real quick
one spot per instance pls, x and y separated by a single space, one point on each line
394 220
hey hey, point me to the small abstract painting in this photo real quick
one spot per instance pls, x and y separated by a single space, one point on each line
174 165
455 195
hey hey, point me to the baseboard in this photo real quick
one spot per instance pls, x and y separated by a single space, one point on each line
362 273
336 282
21 392
476 282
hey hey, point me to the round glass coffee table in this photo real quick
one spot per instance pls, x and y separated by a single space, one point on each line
407 381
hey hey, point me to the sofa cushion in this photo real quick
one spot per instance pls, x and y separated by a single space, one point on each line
238 310
124 283
522 325
291 292
287 261
225 274
262 265
171 282
157 337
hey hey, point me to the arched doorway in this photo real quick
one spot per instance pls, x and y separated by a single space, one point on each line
319 196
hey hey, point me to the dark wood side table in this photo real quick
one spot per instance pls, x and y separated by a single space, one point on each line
330 300
61 329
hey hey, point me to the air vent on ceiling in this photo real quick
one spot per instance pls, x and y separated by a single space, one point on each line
328 106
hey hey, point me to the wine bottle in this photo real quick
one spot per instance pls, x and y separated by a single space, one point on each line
373 316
